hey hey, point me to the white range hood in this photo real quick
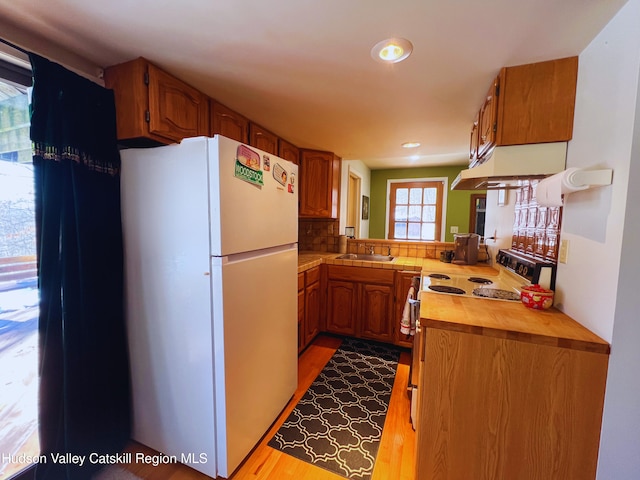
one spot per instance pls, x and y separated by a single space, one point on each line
513 162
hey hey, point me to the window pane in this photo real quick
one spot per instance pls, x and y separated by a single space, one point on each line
430 196
19 294
415 196
428 231
415 212
414 231
429 214
401 214
400 230
402 195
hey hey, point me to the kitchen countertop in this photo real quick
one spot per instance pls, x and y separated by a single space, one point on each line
307 260
509 320
481 316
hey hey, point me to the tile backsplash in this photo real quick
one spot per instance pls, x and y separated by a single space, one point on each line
319 235
398 248
536 229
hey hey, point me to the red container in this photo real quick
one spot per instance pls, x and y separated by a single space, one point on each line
536 297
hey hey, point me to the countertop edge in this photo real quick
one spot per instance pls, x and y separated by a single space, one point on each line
569 333
538 339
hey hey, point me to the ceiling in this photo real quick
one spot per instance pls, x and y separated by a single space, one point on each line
303 68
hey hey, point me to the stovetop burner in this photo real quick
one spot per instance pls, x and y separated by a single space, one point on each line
440 276
446 289
504 286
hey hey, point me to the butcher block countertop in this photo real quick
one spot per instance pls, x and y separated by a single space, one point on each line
506 319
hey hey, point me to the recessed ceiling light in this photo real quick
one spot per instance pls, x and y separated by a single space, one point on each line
392 50
411 145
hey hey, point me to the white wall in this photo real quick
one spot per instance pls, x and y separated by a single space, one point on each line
598 284
593 220
361 170
499 222
620 441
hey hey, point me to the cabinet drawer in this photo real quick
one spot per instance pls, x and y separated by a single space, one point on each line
301 281
313 275
360 274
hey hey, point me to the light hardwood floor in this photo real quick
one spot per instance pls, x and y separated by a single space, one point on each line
395 458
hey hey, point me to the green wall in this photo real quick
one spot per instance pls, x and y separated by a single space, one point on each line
458 201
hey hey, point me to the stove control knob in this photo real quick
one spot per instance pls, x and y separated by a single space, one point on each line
525 270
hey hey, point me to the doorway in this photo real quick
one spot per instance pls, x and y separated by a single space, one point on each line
477 213
353 202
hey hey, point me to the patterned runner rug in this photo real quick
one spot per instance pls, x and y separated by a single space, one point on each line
338 422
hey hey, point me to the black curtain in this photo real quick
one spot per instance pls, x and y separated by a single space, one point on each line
84 404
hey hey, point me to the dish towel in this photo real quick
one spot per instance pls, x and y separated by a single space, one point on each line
408 324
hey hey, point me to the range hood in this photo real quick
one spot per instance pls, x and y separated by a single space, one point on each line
513 162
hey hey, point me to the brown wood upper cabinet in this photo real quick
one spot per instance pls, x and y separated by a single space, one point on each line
228 123
154 107
319 184
288 151
525 104
263 139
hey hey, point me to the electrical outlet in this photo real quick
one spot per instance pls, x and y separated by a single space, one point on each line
454 229
563 254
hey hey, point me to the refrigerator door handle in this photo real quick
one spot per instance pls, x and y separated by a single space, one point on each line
263 252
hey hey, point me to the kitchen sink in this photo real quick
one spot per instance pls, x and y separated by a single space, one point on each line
366 257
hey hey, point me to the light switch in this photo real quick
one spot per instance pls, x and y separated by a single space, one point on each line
563 254
454 229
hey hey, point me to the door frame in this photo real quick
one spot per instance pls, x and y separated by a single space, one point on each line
354 201
473 210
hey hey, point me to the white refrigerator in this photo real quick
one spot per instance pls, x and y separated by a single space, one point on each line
210 245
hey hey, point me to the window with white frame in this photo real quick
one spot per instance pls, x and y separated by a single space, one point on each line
415 210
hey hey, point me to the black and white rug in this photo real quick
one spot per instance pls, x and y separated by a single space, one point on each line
338 422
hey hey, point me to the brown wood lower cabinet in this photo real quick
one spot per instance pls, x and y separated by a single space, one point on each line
312 305
301 308
495 408
342 307
308 306
360 302
376 312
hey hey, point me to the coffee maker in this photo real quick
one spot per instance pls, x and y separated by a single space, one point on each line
466 248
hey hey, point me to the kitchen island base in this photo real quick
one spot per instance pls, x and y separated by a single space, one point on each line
498 408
